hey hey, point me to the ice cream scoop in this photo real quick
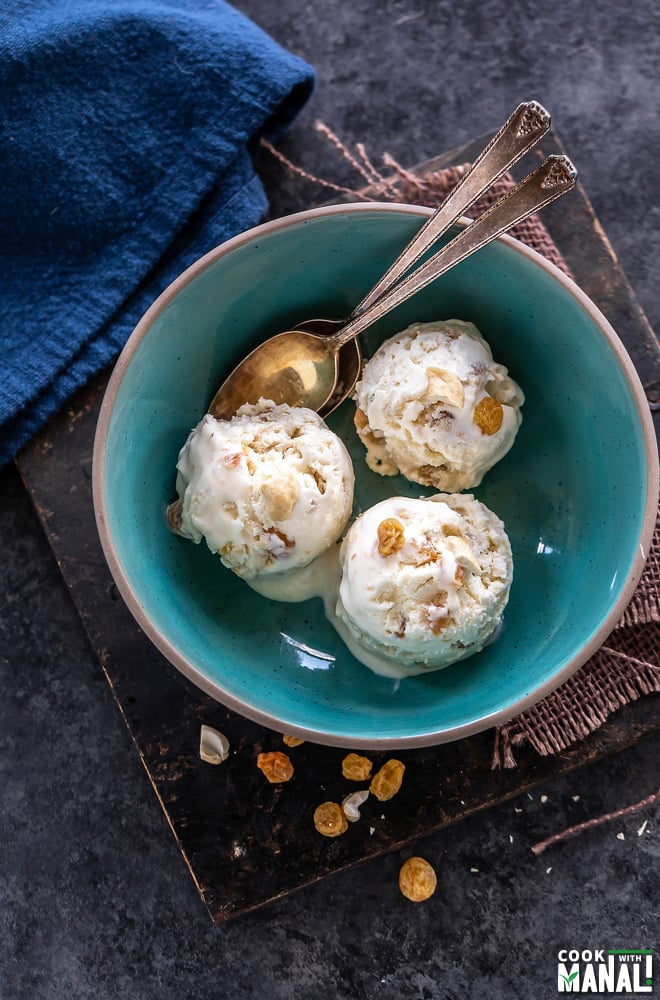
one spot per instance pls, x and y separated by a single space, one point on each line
424 582
434 405
268 490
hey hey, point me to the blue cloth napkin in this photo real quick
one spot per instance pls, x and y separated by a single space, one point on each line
126 130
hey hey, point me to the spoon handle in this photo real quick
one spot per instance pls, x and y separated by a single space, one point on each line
528 123
551 179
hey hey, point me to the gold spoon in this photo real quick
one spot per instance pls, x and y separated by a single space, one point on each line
311 365
520 132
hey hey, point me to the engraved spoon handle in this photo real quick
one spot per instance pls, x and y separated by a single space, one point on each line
528 123
551 179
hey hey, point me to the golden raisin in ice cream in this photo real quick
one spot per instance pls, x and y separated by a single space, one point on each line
390 536
435 598
434 405
269 490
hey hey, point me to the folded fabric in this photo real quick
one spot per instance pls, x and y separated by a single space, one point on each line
126 130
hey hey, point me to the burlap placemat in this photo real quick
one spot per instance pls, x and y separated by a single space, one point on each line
624 668
627 666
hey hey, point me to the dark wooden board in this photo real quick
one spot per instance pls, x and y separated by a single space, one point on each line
246 842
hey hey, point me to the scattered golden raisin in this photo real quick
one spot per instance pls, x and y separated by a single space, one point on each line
292 741
356 768
488 415
390 536
387 782
329 819
417 879
276 766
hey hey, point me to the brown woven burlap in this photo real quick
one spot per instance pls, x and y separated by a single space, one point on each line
624 668
627 666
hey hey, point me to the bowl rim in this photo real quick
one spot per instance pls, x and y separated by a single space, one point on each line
215 690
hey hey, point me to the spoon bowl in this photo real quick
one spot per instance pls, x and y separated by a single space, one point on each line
294 367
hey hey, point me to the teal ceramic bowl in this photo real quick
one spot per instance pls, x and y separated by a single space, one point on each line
577 492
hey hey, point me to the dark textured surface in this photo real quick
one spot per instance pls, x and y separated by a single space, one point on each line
245 842
96 900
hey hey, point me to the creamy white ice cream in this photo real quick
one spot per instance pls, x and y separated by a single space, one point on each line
434 405
424 582
269 490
